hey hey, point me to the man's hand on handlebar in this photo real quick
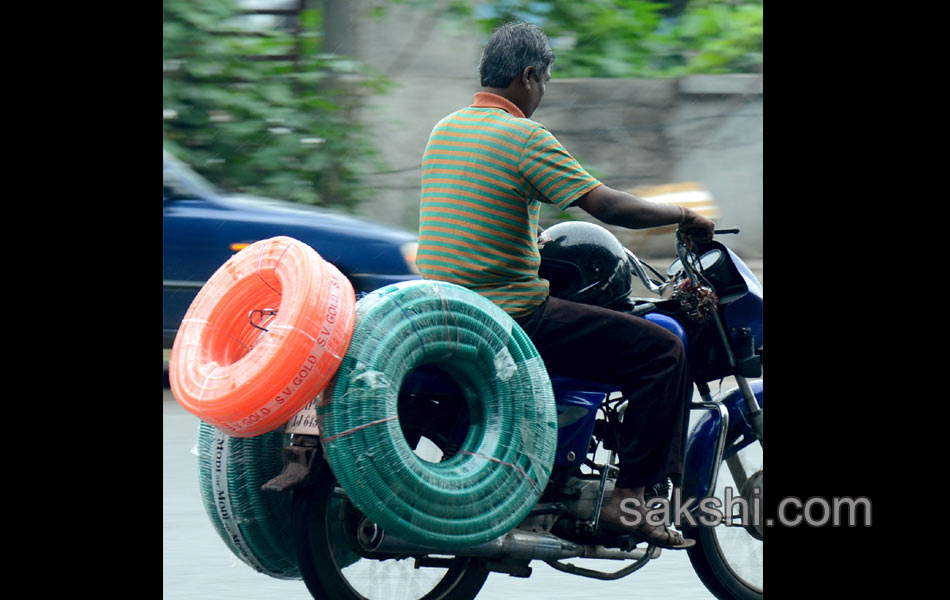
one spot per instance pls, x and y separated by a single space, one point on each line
695 228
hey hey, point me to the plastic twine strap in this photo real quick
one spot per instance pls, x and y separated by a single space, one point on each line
209 324
337 436
260 260
204 384
408 318
523 473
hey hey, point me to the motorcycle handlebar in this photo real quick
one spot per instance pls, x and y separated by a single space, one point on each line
682 248
698 231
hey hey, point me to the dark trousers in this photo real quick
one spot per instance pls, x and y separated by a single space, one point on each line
647 362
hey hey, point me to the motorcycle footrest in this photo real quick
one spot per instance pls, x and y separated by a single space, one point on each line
298 468
621 542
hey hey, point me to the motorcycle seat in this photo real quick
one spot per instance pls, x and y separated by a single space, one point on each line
572 383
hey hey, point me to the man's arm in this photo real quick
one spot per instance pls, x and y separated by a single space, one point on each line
614 207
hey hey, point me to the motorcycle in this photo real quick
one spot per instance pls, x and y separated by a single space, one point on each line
713 302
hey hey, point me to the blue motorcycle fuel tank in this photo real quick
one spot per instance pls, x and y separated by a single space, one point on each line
671 324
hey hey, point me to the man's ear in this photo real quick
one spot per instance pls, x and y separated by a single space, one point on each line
527 76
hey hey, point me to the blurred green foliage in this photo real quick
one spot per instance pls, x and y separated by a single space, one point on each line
638 38
253 125
286 128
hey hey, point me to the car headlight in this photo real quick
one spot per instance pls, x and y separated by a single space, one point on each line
409 254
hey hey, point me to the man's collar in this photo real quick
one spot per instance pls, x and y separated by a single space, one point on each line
488 100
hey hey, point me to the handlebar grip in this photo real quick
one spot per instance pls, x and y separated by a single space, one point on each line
697 232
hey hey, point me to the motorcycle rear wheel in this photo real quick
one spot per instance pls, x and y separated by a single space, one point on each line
728 559
332 571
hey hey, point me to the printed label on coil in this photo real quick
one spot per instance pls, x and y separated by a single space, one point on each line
221 491
305 421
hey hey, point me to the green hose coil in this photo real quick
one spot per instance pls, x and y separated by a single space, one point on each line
254 524
504 463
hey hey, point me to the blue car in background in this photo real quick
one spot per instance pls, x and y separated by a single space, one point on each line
203 227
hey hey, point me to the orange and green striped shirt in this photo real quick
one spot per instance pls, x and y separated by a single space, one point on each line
485 172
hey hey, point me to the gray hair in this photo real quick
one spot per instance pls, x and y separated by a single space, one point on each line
510 50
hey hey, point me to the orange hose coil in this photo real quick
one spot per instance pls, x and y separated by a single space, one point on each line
234 369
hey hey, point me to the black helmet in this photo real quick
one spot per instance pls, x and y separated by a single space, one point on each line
584 263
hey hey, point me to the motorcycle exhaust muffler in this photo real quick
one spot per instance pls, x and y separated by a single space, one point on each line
516 544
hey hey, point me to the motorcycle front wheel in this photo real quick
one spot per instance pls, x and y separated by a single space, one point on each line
728 553
333 571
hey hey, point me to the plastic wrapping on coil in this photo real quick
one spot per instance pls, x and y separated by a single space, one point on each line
504 461
254 524
262 337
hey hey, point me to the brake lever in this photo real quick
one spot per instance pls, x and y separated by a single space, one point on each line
684 251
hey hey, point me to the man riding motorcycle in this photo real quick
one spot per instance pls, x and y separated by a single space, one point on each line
485 172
